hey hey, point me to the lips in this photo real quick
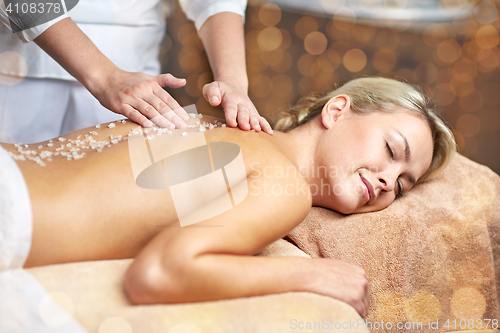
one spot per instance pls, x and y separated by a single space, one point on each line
369 188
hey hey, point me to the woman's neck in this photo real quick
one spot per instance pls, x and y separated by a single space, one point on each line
299 145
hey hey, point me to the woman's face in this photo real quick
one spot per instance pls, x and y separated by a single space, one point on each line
371 159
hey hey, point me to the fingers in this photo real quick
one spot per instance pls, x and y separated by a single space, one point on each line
264 124
244 119
178 116
168 80
213 94
230 111
135 116
147 111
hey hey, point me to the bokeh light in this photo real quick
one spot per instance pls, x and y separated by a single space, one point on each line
354 60
468 125
261 86
486 12
305 26
315 43
115 325
291 53
269 14
15 65
384 60
56 309
269 39
449 51
487 37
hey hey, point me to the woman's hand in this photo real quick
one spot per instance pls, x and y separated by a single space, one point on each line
238 107
137 96
340 280
141 98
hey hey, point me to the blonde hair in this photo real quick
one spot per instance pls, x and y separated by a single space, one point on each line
372 94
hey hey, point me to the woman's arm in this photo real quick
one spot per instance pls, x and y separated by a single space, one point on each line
213 259
137 96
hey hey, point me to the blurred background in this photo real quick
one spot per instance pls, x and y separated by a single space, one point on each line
295 47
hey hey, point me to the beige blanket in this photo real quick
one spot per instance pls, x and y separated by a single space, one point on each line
432 256
92 292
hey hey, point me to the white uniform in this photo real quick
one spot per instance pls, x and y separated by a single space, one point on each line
48 101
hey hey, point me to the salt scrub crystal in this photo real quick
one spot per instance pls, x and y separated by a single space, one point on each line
62 139
124 121
202 129
98 126
112 125
93 132
40 147
184 133
50 144
223 125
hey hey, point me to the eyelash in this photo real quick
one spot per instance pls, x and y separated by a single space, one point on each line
400 187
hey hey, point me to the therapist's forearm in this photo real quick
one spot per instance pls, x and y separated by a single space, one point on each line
223 38
75 52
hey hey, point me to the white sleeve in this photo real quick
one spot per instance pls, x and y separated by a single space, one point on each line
3 15
29 34
200 10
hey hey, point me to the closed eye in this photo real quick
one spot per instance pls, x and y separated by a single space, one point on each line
389 149
400 187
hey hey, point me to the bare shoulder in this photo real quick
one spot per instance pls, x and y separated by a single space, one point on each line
272 177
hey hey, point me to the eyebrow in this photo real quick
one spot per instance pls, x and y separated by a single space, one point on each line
407 156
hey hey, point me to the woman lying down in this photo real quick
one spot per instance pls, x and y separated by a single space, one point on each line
354 150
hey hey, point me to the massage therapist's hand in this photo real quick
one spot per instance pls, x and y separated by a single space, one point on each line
141 98
137 96
340 280
238 108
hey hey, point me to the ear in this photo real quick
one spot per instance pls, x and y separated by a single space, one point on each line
334 108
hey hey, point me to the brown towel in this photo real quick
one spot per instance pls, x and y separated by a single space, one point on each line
433 255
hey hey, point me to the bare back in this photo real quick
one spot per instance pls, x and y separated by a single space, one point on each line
91 208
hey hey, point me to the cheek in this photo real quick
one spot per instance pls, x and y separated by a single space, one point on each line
383 201
345 194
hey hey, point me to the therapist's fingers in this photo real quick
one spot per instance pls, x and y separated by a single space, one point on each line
212 93
264 124
136 116
254 122
231 112
170 104
244 118
147 110
165 111
168 80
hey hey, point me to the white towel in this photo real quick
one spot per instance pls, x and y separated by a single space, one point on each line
15 215
25 306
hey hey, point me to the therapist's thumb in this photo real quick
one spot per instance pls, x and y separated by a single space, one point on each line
168 80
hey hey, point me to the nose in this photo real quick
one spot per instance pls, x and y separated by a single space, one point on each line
386 183
387 179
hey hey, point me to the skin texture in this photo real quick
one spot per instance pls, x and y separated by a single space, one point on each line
91 209
141 97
